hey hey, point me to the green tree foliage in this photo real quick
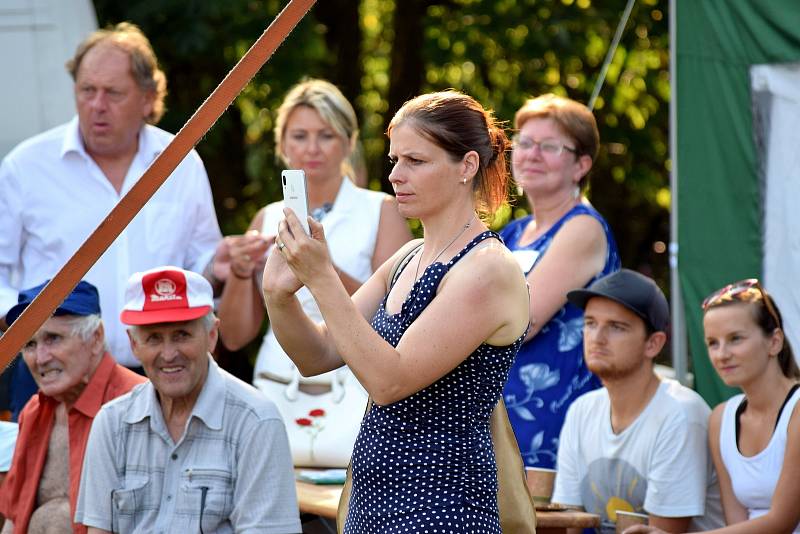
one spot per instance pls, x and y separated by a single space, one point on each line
504 51
382 52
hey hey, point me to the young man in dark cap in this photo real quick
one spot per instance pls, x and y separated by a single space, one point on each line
639 444
76 375
195 449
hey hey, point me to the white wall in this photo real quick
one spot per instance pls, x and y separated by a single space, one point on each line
778 90
36 39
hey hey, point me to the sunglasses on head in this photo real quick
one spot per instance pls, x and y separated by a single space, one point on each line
748 290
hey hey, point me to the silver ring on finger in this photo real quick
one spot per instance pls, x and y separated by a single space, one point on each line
281 245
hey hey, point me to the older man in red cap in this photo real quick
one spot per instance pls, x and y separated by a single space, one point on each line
195 449
76 375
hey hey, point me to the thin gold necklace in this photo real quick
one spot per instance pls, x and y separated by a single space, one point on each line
459 234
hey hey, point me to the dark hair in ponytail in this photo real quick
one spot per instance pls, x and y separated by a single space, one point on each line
766 322
458 124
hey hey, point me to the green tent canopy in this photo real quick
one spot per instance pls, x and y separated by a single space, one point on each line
717 165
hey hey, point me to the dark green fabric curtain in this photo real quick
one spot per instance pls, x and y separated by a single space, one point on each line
719 197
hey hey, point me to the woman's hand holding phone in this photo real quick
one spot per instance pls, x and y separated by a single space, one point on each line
279 281
307 256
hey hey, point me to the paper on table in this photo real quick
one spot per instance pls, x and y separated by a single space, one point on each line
327 476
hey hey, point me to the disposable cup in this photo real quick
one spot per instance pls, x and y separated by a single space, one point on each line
540 482
628 519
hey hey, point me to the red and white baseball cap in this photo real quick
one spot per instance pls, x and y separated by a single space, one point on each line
166 295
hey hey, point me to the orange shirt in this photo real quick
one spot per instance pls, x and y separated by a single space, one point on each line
18 492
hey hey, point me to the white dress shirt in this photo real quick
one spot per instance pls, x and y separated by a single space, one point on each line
53 196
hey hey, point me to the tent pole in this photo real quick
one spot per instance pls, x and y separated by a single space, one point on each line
680 355
612 48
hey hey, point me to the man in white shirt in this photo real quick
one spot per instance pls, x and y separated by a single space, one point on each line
639 444
56 187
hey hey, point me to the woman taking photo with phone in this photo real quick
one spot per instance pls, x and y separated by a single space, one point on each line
755 436
432 343
315 130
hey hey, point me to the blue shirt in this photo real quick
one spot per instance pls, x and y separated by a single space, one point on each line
549 371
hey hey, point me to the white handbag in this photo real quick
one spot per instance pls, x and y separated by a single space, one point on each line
322 428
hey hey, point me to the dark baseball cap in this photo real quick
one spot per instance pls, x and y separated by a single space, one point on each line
83 300
637 292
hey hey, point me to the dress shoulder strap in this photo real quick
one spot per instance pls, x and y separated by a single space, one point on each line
483 236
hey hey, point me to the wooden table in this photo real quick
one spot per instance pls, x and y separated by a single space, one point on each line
322 500
318 499
550 522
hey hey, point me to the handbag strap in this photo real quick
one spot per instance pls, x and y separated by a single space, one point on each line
156 174
347 489
293 387
400 264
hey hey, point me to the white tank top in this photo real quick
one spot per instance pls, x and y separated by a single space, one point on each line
754 477
351 230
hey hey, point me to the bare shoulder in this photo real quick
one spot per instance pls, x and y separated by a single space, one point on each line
497 256
391 221
493 267
582 228
404 251
389 202
389 208
715 419
489 279
401 253
794 420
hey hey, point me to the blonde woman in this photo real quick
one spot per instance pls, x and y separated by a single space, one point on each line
316 130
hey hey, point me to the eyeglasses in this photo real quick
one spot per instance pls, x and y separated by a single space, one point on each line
550 147
748 290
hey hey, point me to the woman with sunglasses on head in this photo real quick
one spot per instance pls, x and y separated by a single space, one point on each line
564 244
430 335
755 436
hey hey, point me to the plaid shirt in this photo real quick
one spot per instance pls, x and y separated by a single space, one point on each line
231 468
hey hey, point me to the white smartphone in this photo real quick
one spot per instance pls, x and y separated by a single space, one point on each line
295 195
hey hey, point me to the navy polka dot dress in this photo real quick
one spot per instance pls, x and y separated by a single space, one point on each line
425 464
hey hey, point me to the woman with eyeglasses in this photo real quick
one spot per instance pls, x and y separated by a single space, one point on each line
754 437
564 244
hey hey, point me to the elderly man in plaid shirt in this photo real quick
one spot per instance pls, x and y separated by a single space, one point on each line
195 449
